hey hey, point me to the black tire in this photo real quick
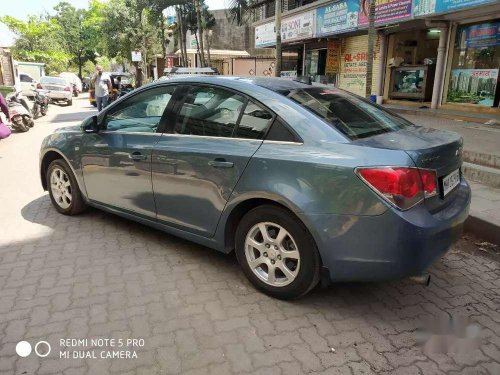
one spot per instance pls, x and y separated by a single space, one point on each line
43 111
28 121
69 102
310 263
75 93
77 204
19 126
94 104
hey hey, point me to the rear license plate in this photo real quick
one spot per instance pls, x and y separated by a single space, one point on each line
451 181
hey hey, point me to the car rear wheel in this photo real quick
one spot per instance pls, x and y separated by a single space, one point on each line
69 102
277 253
63 189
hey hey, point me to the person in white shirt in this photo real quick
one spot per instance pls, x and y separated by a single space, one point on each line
102 87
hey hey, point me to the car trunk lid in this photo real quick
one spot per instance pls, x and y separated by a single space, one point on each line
428 148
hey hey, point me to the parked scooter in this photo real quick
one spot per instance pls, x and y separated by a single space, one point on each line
19 112
40 103
75 90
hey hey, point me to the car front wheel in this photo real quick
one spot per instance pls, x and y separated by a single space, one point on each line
277 253
63 188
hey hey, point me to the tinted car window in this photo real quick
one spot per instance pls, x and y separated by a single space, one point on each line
254 122
280 132
351 115
53 80
141 112
25 78
209 111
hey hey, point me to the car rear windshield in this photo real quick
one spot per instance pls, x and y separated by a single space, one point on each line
353 116
53 80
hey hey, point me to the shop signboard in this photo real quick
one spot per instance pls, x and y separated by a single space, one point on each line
473 86
386 11
289 74
297 27
336 18
293 28
425 7
265 35
333 57
482 35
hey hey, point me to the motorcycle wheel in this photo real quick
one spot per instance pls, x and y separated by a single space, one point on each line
43 111
17 124
75 93
28 121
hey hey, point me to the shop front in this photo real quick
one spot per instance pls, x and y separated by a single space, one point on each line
473 77
410 64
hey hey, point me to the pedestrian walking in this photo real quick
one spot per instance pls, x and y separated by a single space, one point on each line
102 87
4 129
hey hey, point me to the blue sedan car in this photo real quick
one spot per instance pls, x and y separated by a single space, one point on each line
304 182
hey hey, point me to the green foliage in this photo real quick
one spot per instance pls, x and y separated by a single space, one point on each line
38 41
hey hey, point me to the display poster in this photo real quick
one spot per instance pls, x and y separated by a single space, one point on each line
338 17
481 35
333 57
424 7
386 11
297 27
473 86
265 35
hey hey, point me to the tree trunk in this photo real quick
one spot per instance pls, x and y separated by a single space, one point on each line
198 48
277 26
371 46
80 63
162 28
180 32
206 34
200 30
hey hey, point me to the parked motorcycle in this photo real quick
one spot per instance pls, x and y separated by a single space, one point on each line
75 90
40 103
19 112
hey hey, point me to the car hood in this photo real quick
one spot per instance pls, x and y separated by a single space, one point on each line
66 129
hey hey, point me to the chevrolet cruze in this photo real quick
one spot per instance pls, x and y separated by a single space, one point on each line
304 182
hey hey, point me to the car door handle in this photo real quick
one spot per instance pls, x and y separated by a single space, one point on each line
137 156
220 163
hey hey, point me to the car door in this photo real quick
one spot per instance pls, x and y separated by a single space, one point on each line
116 161
197 163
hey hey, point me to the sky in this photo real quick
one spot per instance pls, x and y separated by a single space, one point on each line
23 8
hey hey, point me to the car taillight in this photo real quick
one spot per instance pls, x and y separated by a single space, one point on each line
67 88
39 86
404 187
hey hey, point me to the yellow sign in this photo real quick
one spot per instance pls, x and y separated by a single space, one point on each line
333 57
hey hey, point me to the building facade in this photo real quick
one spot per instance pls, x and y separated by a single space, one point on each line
427 52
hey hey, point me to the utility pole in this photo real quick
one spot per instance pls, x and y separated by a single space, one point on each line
277 26
371 46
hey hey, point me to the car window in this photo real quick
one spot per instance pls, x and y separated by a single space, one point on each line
209 111
351 115
254 122
141 112
53 80
26 78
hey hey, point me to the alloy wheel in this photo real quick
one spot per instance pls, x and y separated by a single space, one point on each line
60 186
272 254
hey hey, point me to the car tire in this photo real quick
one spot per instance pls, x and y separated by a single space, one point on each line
290 267
60 180
69 102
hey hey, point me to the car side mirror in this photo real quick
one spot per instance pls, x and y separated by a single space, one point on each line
90 125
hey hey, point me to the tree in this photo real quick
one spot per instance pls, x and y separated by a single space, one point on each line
38 41
197 7
79 35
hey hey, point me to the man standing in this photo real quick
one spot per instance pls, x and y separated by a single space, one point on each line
102 87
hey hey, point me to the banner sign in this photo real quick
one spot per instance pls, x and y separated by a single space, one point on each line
265 35
386 11
333 57
482 35
297 27
473 86
293 28
337 18
424 7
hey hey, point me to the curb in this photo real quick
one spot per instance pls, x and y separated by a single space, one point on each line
450 116
483 229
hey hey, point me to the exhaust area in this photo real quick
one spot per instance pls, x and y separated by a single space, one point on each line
424 279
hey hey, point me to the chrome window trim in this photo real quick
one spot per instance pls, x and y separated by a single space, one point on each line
284 142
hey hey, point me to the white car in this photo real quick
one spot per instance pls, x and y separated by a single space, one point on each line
59 89
72 78
28 84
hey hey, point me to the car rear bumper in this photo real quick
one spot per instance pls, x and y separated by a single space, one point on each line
60 95
392 245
